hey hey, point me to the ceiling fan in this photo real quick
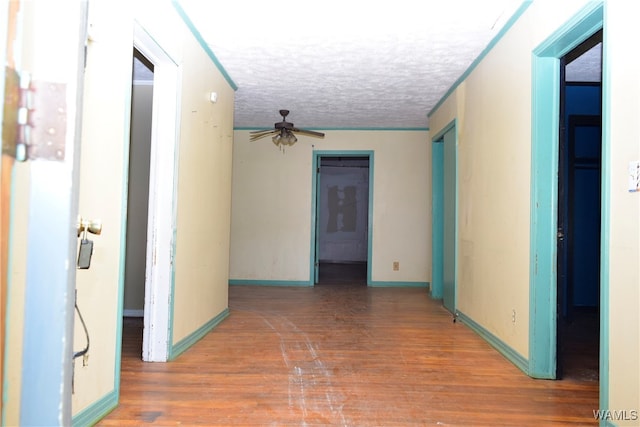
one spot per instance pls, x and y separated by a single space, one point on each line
283 132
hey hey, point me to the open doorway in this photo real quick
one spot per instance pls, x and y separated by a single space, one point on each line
579 211
444 199
138 202
153 169
342 212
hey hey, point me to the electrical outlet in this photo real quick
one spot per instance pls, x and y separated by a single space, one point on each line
85 359
513 316
396 265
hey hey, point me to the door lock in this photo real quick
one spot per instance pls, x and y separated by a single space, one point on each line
86 246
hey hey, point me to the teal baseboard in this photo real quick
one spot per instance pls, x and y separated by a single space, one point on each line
95 412
378 284
190 340
509 353
239 282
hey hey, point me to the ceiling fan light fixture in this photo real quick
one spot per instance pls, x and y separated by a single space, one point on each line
284 138
284 132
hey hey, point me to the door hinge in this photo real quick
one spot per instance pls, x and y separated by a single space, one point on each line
34 122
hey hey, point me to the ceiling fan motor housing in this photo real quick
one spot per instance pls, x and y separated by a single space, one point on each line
284 124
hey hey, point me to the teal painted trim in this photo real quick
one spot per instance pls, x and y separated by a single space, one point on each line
124 202
370 218
381 284
437 290
513 356
425 129
514 18
203 43
606 172
240 282
98 410
314 208
544 212
544 186
197 335
437 217
439 137
457 210
174 240
577 29
314 269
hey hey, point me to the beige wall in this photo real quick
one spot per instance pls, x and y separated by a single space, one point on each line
272 190
204 195
205 135
621 35
103 168
493 109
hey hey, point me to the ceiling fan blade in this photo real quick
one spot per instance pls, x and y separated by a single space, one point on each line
255 132
262 134
308 132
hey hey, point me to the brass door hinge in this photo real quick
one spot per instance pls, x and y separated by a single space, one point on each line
34 122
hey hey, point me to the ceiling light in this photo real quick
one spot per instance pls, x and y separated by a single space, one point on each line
285 137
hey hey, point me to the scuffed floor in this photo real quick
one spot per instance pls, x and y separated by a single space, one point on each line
342 355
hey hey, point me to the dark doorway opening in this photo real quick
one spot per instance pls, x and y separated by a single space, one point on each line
579 211
342 242
138 202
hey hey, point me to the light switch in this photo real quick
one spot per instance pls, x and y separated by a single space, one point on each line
634 176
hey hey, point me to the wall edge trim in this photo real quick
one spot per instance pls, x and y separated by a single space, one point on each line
505 29
203 43
185 343
285 283
385 284
509 353
96 411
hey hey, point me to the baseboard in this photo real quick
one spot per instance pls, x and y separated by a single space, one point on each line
128 312
378 284
187 342
95 412
513 356
240 282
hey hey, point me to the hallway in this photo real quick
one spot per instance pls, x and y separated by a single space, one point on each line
341 355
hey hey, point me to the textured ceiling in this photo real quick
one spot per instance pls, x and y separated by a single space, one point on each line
345 64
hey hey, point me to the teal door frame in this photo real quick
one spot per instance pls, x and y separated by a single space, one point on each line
315 195
444 163
437 217
544 195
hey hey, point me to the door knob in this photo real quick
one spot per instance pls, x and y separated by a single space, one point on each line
93 226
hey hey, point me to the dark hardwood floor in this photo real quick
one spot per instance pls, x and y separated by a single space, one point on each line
333 273
344 355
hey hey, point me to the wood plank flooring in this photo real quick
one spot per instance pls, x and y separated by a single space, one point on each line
343 355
